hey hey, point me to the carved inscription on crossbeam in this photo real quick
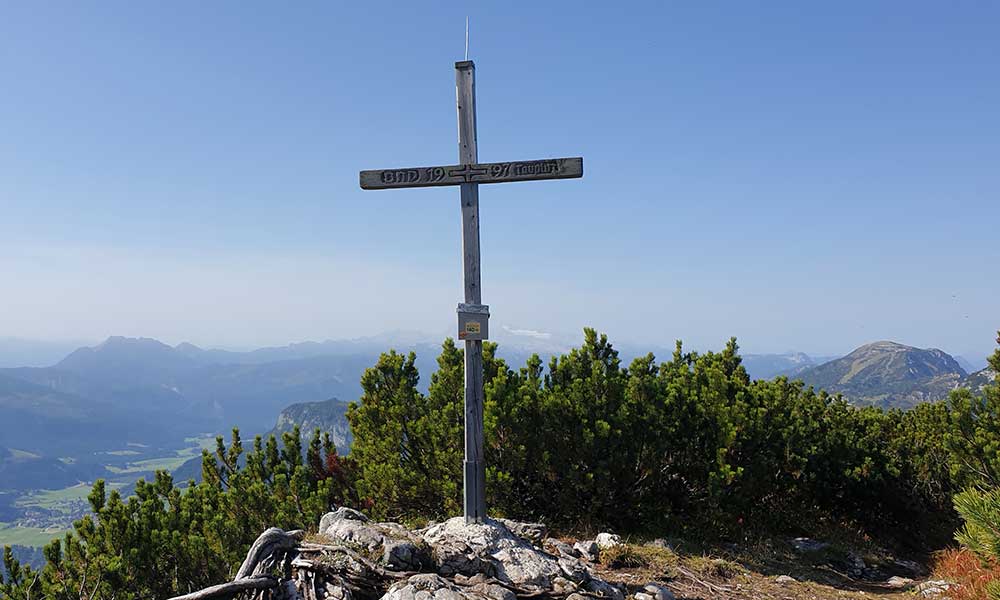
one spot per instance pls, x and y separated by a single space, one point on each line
525 170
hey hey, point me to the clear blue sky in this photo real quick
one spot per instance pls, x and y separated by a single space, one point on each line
806 176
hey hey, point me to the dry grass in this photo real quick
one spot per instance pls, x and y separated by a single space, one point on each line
965 568
650 558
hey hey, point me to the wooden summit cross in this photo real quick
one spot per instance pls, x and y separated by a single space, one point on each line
473 316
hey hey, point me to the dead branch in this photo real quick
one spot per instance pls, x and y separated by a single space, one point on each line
227 590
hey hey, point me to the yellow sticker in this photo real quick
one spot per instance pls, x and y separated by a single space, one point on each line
472 327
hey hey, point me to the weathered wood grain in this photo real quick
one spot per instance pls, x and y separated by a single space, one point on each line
474 498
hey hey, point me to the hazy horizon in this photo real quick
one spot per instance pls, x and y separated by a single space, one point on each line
24 352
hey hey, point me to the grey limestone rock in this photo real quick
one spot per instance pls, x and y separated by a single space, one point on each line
533 532
564 587
474 561
401 549
403 555
490 548
588 550
658 592
428 586
604 589
933 588
607 540
560 548
574 569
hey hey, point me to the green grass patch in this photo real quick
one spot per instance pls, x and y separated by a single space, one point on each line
164 463
168 463
59 500
28 536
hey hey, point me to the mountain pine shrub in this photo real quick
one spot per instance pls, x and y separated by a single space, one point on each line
978 449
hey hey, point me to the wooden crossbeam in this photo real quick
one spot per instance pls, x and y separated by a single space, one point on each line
502 172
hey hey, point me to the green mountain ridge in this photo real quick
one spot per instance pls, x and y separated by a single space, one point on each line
889 374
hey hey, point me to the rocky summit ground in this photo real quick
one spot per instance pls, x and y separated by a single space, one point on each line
792 569
354 558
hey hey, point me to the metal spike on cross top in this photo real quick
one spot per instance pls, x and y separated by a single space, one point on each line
473 316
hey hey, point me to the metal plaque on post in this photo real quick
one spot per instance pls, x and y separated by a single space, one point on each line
473 322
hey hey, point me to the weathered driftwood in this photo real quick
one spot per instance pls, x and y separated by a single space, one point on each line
266 547
228 590
270 547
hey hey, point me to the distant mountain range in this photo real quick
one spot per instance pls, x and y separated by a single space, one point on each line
892 375
142 391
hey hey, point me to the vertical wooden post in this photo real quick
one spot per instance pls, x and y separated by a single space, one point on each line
474 499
